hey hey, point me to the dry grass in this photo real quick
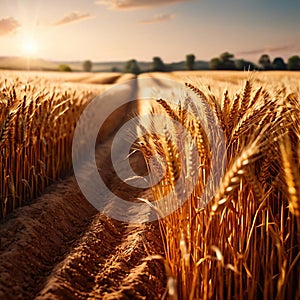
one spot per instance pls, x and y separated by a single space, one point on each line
245 243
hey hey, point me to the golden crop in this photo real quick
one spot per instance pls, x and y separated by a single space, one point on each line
245 243
37 122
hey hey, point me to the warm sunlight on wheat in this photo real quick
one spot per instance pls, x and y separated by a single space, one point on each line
245 243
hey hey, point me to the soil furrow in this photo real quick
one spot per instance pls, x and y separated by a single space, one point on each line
36 237
59 247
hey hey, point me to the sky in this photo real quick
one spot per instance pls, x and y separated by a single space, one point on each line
118 30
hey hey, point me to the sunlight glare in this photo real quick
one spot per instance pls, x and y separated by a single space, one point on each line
29 47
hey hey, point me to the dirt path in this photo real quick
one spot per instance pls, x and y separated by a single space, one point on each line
60 247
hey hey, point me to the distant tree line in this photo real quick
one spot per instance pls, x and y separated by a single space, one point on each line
225 61
158 65
293 63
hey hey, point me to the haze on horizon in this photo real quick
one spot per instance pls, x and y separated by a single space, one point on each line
103 30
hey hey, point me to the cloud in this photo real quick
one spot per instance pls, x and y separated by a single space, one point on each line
159 18
72 17
136 4
269 49
8 25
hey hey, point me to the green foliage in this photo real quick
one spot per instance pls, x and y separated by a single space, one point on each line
87 66
215 63
115 69
244 65
132 66
224 62
278 64
226 56
64 68
294 63
265 62
158 65
190 61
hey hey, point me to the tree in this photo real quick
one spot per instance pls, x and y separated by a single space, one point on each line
226 56
158 65
294 63
114 69
87 66
278 64
265 62
190 61
242 64
64 68
226 61
215 64
132 66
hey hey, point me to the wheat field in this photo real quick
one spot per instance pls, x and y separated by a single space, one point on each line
245 242
37 122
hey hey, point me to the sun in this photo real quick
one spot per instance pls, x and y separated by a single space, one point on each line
29 47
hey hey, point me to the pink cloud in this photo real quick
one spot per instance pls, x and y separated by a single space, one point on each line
72 18
8 25
135 4
159 18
